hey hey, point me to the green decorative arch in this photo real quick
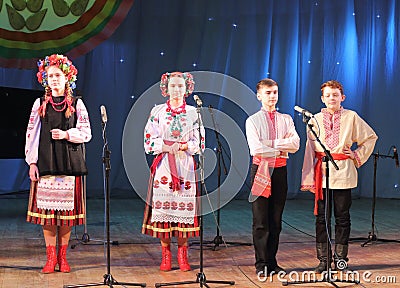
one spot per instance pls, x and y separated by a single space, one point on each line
31 29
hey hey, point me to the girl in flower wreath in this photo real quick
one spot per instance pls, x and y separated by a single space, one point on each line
172 136
57 128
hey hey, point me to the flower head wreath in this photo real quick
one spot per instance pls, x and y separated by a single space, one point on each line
61 62
185 75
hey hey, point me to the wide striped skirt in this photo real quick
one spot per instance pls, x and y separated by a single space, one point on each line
56 217
167 229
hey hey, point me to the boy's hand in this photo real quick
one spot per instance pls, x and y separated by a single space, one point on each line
348 152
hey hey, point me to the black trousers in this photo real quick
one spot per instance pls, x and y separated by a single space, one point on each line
341 200
267 218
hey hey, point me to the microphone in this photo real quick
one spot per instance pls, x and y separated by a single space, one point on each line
103 114
303 111
198 100
396 156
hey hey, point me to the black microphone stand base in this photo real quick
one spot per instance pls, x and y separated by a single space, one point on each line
372 238
86 239
108 281
218 240
200 279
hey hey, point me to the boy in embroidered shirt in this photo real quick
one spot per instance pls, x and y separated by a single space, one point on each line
339 130
271 136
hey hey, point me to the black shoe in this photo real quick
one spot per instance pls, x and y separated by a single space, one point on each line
278 269
275 269
322 266
261 272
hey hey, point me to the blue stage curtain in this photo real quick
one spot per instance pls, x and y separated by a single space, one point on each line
300 44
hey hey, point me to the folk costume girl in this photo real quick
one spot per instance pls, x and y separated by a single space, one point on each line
57 127
172 136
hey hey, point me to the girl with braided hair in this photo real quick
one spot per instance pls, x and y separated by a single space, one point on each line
57 128
172 136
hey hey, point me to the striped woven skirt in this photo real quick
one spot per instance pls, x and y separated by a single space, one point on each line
56 217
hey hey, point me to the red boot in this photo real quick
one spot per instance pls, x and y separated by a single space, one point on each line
182 258
62 259
166 258
51 260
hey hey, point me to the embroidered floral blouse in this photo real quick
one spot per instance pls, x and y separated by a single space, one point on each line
162 126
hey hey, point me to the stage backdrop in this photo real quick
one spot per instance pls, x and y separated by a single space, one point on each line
300 44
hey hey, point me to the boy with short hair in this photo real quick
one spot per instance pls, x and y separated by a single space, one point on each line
339 129
271 136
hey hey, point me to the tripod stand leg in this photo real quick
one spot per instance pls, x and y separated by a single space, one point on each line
201 279
371 237
110 281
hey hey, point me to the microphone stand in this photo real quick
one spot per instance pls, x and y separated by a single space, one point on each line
201 276
371 234
108 278
220 158
85 236
327 277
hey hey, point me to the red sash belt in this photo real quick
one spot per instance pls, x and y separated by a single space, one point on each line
262 179
176 185
318 176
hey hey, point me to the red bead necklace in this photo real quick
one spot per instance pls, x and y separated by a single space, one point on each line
178 110
53 104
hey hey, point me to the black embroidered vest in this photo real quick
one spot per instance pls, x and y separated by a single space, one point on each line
59 157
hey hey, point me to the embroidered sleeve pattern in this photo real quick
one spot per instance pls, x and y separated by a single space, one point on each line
357 160
33 134
365 138
307 175
194 143
152 134
82 132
